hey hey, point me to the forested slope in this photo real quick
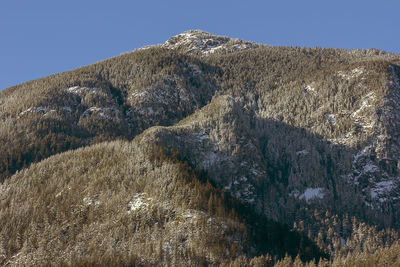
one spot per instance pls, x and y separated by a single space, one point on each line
252 145
124 203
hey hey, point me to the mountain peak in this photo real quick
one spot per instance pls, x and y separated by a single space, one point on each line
204 43
199 33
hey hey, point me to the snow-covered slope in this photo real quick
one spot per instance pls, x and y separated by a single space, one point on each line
377 165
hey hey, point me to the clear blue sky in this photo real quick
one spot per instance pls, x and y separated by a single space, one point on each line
42 37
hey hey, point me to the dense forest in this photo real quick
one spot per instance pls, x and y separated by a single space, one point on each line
205 150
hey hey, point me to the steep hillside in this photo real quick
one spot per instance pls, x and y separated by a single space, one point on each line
295 143
121 203
117 98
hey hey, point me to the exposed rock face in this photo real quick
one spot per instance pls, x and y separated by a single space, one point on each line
203 43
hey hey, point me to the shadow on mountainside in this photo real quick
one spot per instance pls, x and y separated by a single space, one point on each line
264 236
290 171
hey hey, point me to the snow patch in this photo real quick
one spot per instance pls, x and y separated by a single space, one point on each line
80 90
330 118
139 94
380 189
302 152
212 49
87 201
256 172
363 153
39 109
369 167
138 202
241 46
150 110
104 112
366 102
243 179
201 136
247 193
188 214
348 75
142 48
311 90
312 193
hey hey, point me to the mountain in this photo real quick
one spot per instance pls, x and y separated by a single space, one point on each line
204 150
